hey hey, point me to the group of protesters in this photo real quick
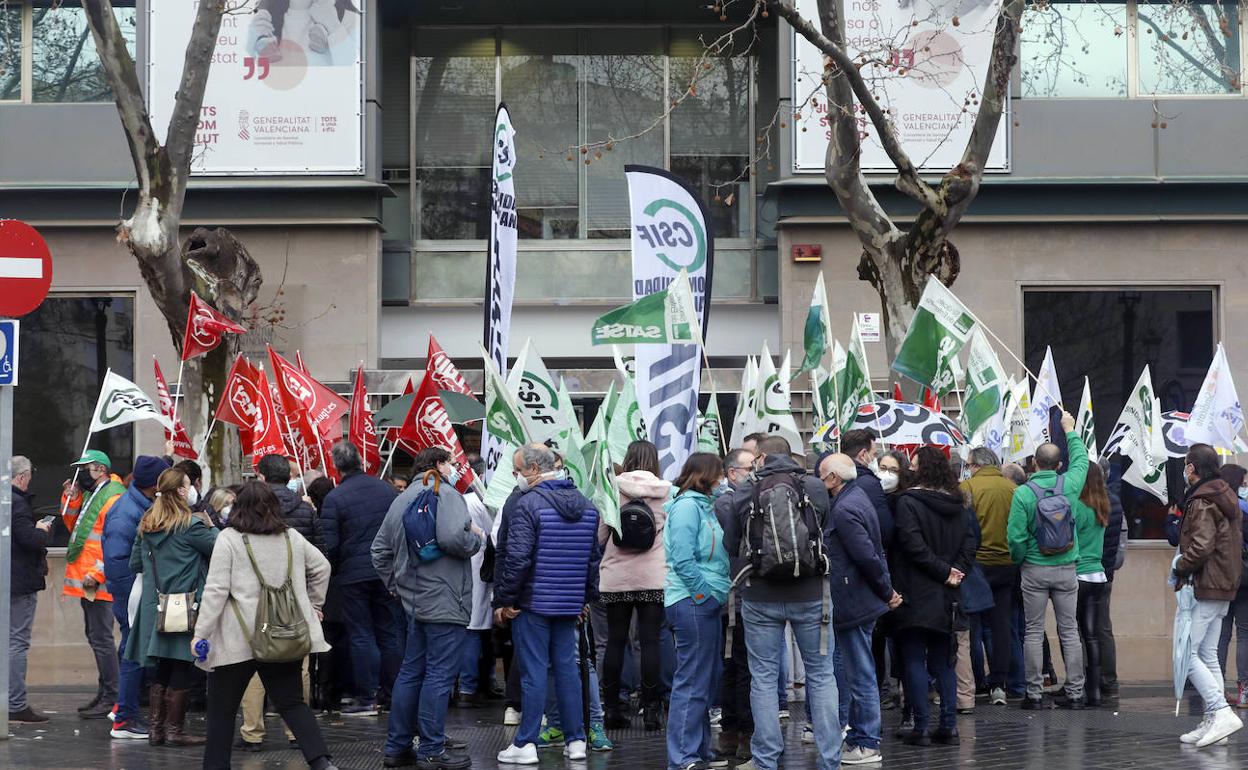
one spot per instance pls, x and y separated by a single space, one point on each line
898 580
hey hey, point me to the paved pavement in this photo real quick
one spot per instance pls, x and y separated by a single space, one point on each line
1138 731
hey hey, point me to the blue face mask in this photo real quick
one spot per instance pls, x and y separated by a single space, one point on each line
1243 493
722 488
293 485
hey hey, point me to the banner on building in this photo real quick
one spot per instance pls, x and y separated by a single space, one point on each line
285 91
669 234
500 263
935 56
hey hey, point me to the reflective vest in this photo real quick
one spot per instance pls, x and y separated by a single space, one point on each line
90 561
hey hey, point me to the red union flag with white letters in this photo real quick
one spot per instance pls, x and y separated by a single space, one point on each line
204 327
181 442
300 392
248 405
362 432
439 367
427 425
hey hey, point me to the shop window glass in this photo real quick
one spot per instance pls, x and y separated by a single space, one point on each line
10 52
1074 50
1189 48
65 66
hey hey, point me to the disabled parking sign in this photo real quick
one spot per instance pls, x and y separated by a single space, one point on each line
8 352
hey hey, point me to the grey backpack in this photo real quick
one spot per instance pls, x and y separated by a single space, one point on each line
1055 521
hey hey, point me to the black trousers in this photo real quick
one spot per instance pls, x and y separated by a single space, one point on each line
1109 650
175 674
283 683
734 685
619 621
1002 580
1090 612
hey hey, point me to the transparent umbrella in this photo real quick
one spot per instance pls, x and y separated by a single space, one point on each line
1182 652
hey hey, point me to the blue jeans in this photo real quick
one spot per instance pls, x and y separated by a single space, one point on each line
764 638
469 663
422 689
698 635
545 644
1203 670
131 679
855 681
374 620
926 654
595 697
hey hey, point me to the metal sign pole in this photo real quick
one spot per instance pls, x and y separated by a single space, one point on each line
6 555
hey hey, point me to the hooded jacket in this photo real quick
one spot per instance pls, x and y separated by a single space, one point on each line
182 557
1211 542
299 515
350 518
697 564
30 548
869 483
439 591
861 585
120 528
933 536
630 570
553 555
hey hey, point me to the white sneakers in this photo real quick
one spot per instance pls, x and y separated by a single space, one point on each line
511 717
574 750
523 755
997 697
1222 724
860 755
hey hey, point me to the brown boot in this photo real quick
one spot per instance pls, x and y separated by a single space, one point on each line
176 735
157 713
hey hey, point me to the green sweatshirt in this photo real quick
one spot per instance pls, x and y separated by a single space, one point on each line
1091 538
1021 529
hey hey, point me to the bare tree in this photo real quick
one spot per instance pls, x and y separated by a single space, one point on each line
210 261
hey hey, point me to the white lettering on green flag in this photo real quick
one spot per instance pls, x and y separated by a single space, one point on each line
626 424
853 383
985 388
817 334
503 417
940 327
664 317
709 428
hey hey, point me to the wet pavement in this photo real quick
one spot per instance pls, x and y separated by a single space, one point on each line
1138 730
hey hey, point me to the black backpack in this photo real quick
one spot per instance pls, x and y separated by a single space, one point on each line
637 527
783 537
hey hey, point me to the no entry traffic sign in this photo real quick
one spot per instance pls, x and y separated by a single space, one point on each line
25 268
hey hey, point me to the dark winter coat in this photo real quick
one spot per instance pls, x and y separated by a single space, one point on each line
552 552
300 515
350 517
30 548
1111 550
120 529
869 483
933 536
976 593
1211 542
182 561
861 586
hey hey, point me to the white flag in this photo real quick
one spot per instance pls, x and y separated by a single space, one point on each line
1140 426
1019 444
1047 395
1085 424
775 410
744 420
500 278
538 398
122 402
1217 417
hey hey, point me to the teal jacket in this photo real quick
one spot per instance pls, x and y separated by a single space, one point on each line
697 563
1091 537
1020 531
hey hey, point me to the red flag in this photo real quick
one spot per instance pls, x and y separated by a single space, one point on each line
445 376
266 436
300 392
299 363
897 392
240 404
427 425
204 327
931 400
181 442
362 432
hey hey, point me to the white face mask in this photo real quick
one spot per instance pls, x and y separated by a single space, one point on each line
192 496
889 480
874 465
293 485
522 483
225 513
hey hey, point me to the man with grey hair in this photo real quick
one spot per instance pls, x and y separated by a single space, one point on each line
350 518
991 493
862 591
29 565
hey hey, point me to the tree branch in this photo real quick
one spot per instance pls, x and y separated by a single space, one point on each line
183 122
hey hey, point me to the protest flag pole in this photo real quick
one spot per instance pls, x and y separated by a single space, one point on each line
174 417
203 447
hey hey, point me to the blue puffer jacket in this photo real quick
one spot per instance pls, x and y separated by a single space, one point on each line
350 517
861 586
120 527
551 567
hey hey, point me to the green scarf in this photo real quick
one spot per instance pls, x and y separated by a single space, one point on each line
87 517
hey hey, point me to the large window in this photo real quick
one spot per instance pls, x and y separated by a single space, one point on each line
68 343
1145 49
566 88
1108 336
62 64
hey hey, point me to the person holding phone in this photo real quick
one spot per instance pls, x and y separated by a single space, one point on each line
29 568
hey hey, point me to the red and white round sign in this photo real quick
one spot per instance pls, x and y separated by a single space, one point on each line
25 268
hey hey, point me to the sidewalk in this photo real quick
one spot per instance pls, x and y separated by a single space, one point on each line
1139 731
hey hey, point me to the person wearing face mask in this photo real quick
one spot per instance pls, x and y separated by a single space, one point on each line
1210 560
120 528
171 551
736 724
86 501
195 498
859 445
299 514
893 465
991 495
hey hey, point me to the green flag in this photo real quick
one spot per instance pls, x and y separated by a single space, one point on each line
817 336
626 424
853 381
985 384
501 481
502 416
602 488
572 441
710 429
940 327
664 317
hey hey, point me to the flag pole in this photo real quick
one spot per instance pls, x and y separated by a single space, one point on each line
723 446
389 460
203 447
1007 349
320 445
77 470
174 418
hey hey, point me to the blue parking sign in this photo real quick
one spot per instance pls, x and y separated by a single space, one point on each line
8 352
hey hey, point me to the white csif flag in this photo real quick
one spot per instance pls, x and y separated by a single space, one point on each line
1217 417
1048 394
500 273
122 402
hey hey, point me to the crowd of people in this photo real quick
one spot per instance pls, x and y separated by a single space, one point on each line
911 582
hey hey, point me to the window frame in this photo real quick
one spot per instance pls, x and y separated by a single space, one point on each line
582 242
1133 42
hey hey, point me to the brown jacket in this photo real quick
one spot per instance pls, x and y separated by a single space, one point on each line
1211 542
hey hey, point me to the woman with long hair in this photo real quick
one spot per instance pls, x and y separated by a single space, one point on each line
697 587
1091 517
171 551
257 551
631 582
932 553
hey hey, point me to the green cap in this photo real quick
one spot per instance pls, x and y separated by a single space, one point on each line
94 456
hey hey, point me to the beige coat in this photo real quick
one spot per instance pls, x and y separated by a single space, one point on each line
622 571
230 574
